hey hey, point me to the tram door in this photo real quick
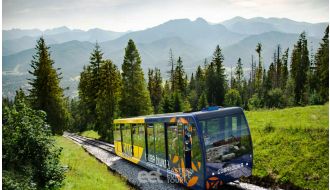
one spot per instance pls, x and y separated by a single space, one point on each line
179 145
184 125
151 143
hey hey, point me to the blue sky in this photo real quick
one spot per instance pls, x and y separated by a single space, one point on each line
123 15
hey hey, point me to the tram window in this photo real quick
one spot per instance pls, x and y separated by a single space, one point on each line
172 135
116 133
230 138
234 125
160 144
196 153
228 128
138 135
151 143
126 130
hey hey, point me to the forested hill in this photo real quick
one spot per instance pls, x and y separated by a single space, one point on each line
192 40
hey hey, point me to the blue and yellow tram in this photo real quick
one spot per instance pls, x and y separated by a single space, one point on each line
201 150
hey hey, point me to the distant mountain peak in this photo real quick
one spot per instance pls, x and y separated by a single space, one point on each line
57 30
201 20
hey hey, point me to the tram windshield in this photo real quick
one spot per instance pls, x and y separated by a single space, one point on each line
226 138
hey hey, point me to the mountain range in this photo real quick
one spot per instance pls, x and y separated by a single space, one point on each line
192 40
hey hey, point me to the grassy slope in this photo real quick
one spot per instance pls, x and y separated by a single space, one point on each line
291 145
90 134
85 172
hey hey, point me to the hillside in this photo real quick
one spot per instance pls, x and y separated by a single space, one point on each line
290 146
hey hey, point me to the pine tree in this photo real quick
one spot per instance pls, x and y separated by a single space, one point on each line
192 82
95 63
167 104
179 83
252 80
155 88
172 70
178 102
135 96
284 70
200 81
278 67
272 75
202 101
46 93
89 86
322 66
108 97
86 97
210 83
239 75
299 69
192 95
220 77
259 70
266 86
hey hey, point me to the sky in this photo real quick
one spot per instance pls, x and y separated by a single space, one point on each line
124 15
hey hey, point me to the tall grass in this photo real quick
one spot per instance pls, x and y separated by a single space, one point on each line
85 172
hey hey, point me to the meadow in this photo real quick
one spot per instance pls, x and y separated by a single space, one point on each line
291 146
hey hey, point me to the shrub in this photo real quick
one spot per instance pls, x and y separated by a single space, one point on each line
275 98
232 98
315 98
30 157
254 102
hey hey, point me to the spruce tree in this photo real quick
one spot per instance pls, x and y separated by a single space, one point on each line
200 81
172 70
284 70
299 69
108 97
210 83
155 88
95 64
135 96
179 83
178 102
166 105
239 75
322 66
89 86
220 77
86 98
252 80
46 93
258 81
202 101
278 67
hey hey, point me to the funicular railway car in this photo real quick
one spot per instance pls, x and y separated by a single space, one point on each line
201 150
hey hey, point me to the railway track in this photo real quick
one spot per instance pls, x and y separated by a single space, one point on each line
100 144
104 152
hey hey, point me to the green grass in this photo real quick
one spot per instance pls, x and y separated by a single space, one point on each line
291 145
90 134
84 171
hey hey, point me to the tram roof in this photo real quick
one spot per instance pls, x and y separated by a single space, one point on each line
203 114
